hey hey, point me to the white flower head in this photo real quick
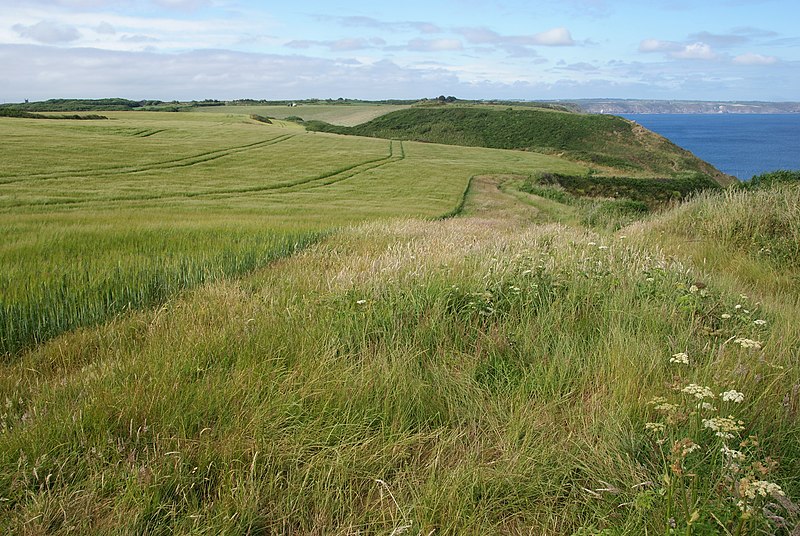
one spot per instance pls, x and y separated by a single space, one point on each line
655 427
749 343
732 454
725 316
361 302
724 427
698 391
681 357
732 396
760 322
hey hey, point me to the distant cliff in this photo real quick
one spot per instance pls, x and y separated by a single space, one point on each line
626 106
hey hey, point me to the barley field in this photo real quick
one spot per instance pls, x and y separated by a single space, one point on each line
347 336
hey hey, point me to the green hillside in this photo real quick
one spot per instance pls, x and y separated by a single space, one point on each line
211 324
603 141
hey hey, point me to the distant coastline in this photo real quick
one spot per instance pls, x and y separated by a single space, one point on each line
635 106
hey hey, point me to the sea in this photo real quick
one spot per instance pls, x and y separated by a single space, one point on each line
742 145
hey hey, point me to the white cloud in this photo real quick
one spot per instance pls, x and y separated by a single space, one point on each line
754 59
556 37
435 45
695 51
105 28
48 32
656 45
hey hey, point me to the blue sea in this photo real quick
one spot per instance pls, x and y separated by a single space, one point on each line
742 145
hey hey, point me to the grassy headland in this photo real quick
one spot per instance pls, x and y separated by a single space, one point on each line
490 373
604 141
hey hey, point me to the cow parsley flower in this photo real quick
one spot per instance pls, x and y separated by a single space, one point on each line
681 357
732 396
732 454
750 489
760 322
749 343
698 391
724 427
655 427
725 316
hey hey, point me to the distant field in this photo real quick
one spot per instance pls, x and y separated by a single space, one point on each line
101 216
211 325
336 114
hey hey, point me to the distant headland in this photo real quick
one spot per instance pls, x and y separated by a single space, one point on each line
635 106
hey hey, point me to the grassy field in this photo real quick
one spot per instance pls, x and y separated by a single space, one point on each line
335 114
99 217
507 370
607 143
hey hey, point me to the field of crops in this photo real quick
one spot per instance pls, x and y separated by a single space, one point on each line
336 114
213 325
98 217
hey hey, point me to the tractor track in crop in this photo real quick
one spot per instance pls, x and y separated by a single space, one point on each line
174 163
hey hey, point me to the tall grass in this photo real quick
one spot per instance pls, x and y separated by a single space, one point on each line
117 273
467 376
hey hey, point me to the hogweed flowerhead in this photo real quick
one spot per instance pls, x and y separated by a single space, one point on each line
732 396
698 391
681 358
752 488
732 454
684 447
655 427
749 343
724 427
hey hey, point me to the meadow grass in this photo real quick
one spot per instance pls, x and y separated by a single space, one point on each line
468 376
104 217
335 114
487 373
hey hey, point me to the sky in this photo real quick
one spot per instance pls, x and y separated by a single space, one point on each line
295 49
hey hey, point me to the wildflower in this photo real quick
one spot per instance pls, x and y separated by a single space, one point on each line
666 407
725 316
602 247
724 427
681 357
655 427
685 447
693 289
650 279
706 406
760 322
750 489
361 302
737 306
732 396
698 391
732 454
749 343
591 243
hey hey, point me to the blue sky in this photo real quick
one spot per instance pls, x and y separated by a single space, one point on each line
538 49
